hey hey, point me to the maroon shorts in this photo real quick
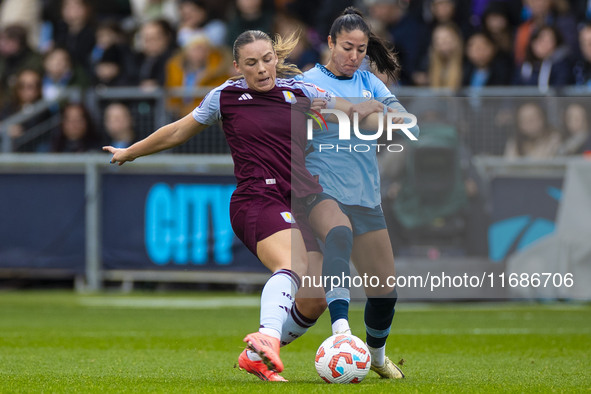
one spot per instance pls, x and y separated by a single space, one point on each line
255 217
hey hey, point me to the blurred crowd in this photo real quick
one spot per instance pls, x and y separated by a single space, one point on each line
47 46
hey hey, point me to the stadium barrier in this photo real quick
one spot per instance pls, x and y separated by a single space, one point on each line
483 117
164 218
39 132
148 108
79 216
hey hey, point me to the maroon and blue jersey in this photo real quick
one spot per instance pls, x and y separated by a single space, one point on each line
266 132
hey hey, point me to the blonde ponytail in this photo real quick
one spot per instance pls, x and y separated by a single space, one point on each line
283 48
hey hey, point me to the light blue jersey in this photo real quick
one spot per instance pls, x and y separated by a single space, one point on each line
352 177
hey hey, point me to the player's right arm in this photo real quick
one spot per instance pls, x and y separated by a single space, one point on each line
166 137
173 134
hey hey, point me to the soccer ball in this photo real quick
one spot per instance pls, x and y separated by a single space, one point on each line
343 358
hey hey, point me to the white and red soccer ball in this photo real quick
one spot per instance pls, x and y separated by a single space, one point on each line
343 358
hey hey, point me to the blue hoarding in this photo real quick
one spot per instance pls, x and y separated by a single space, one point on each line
524 211
42 221
149 222
176 222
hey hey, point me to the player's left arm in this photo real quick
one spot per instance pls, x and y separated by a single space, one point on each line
392 105
369 111
324 99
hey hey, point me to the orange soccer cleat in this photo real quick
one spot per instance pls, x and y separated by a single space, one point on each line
267 347
258 369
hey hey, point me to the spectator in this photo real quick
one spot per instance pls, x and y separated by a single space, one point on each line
118 124
547 61
76 32
195 18
25 13
445 58
443 11
26 92
534 137
577 134
459 9
543 13
50 15
449 11
15 55
197 65
250 15
582 68
144 11
107 34
509 8
485 66
112 69
157 46
498 24
111 60
76 133
408 33
325 12
59 73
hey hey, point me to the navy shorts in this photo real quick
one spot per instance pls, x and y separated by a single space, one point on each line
363 219
255 217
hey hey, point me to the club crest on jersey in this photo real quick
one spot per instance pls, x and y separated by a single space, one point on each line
366 93
289 97
288 217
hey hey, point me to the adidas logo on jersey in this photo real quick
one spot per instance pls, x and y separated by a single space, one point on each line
245 96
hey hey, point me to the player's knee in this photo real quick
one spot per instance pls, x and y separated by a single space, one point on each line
340 237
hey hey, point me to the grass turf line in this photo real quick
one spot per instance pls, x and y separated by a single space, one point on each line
64 342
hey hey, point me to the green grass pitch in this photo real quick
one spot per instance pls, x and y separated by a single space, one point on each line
174 343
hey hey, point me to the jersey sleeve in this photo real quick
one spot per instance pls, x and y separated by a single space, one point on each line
208 112
382 93
386 97
312 91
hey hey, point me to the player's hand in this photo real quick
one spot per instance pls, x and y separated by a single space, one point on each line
366 108
120 156
318 104
395 120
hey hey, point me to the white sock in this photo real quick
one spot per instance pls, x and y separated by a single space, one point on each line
341 326
378 355
295 326
253 356
270 332
276 301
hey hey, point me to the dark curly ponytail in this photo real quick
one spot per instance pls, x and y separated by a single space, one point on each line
379 51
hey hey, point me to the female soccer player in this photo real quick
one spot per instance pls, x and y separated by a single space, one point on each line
347 215
253 110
